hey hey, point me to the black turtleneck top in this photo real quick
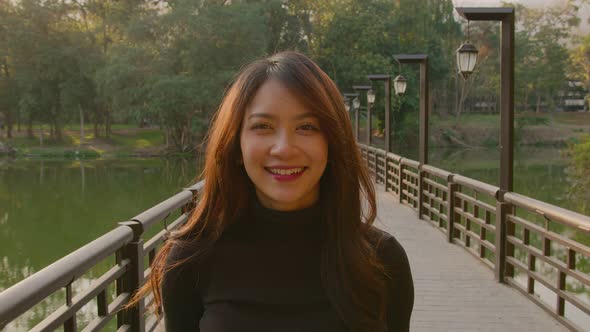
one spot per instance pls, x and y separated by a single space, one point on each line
263 274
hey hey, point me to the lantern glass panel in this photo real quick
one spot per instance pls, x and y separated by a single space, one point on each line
356 103
371 97
399 85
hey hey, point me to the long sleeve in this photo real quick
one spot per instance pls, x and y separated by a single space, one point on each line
183 307
401 294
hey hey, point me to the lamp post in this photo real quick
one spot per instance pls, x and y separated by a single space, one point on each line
366 88
503 228
421 59
506 16
387 80
352 98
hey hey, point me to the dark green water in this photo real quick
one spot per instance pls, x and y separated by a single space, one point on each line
49 208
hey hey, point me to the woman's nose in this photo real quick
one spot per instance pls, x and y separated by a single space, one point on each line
284 145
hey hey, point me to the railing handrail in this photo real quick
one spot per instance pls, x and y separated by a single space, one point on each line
159 211
20 297
549 211
441 173
475 184
409 162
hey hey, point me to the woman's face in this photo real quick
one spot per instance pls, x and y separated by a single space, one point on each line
283 149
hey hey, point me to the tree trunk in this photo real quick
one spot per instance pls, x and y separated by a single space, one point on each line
58 130
96 133
30 133
8 125
81 125
538 104
107 126
526 100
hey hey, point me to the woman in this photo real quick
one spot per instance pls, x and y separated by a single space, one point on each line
281 238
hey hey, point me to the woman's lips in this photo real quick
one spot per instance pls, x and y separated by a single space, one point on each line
289 177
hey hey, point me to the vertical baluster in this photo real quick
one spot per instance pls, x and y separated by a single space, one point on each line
386 175
526 238
151 256
467 225
432 201
418 198
70 323
571 265
441 207
101 303
488 219
401 182
420 192
482 234
119 290
133 277
504 249
377 160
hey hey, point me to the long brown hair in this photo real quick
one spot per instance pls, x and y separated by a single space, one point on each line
352 274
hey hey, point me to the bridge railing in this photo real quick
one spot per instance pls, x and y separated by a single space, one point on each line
128 274
511 234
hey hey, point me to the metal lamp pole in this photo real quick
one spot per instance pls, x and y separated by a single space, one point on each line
503 228
366 88
387 80
421 59
350 97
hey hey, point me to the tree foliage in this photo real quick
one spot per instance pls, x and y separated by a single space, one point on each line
169 62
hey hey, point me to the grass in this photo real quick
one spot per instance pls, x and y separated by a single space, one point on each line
125 140
572 118
138 140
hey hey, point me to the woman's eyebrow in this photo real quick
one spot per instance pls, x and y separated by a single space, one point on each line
270 116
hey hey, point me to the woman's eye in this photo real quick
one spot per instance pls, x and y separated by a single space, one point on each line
260 126
309 127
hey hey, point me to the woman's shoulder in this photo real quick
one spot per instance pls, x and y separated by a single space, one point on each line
388 248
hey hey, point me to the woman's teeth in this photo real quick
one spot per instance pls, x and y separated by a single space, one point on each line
285 171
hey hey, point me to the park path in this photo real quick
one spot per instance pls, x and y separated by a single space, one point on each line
454 291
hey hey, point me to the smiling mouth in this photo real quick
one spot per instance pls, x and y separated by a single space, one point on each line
285 172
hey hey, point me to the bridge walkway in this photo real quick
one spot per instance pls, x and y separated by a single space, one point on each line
454 291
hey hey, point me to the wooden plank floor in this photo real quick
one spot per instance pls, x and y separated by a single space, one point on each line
454 291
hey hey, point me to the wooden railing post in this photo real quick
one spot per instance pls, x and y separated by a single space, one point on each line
453 187
386 171
401 181
133 278
420 189
376 166
502 230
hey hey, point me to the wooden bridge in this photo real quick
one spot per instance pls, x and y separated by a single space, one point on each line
481 260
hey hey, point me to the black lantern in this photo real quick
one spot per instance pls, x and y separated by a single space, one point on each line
371 97
356 103
466 59
399 85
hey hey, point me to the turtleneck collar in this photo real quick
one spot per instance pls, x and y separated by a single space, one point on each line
276 218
